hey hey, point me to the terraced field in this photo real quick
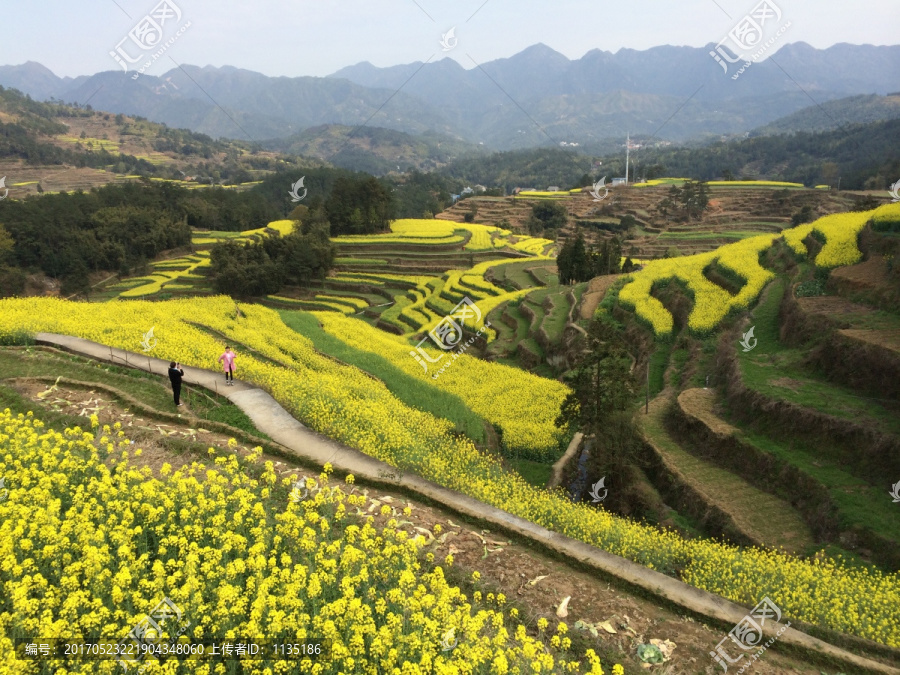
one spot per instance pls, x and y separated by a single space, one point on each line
808 418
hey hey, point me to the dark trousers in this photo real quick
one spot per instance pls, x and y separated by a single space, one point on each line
229 375
176 391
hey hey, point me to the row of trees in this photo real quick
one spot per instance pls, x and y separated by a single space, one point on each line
546 218
114 228
119 227
353 203
577 263
265 267
687 202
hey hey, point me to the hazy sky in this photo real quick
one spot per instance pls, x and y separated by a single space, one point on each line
300 37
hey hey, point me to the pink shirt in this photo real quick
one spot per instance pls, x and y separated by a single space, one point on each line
227 360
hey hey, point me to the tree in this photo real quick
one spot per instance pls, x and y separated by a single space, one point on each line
358 205
550 215
804 215
602 383
665 207
603 388
300 213
573 262
265 267
6 245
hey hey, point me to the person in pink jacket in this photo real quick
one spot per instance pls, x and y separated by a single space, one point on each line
227 361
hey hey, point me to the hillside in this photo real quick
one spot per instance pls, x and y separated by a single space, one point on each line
375 150
583 100
834 114
65 148
859 154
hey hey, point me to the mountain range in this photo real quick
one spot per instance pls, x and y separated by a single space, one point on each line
537 97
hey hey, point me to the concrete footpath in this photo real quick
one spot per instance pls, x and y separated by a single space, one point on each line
268 415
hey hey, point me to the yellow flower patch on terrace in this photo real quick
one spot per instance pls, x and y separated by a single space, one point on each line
522 404
661 181
234 559
543 194
753 183
533 245
169 271
712 303
284 227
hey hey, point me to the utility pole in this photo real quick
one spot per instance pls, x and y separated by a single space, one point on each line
627 155
647 404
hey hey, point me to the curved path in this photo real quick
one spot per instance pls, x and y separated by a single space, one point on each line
268 415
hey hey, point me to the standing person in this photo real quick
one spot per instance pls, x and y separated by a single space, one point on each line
176 372
227 361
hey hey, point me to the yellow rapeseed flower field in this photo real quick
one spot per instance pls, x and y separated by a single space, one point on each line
343 403
91 544
712 303
840 231
522 404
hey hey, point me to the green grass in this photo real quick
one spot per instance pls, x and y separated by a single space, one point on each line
859 504
408 389
770 362
762 516
507 337
359 261
679 359
659 361
536 473
535 304
514 274
150 389
554 322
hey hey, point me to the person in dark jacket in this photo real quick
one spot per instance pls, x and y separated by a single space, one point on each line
175 374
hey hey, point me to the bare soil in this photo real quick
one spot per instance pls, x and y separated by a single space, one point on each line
832 305
595 292
889 339
871 273
701 404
